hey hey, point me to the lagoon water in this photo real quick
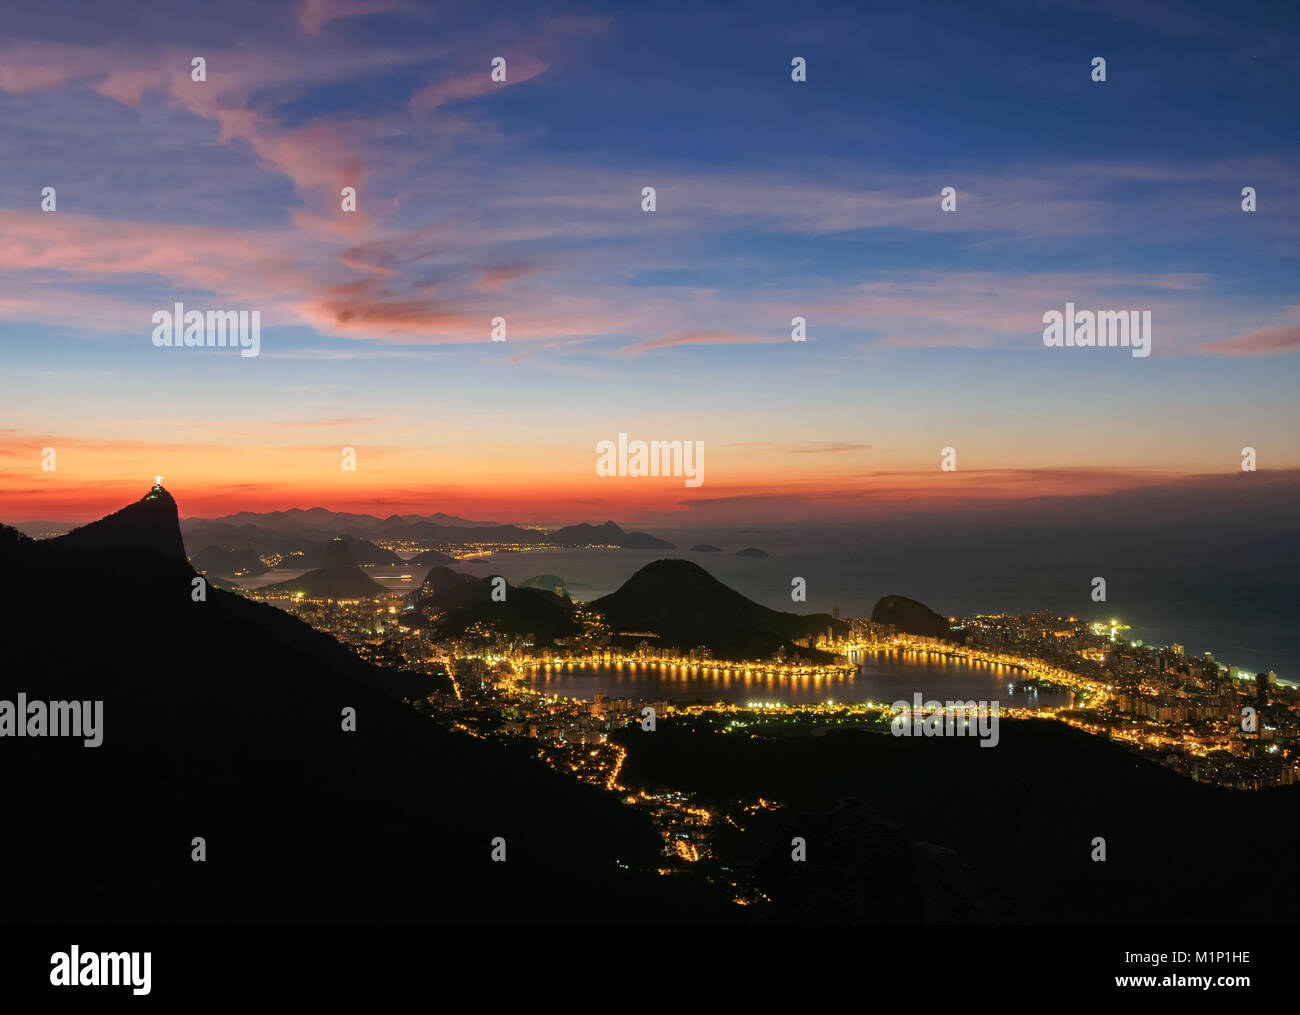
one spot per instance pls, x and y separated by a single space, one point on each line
882 677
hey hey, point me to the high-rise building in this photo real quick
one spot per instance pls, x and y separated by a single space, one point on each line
1261 688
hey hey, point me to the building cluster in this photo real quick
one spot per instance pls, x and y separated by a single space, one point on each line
572 721
1175 706
1208 720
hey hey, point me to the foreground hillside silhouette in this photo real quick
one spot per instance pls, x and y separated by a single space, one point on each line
958 832
222 720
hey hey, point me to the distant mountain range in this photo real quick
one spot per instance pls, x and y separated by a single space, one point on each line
237 543
319 522
297 520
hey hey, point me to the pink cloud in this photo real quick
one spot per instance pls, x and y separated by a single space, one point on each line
314 14
128 86
323 154
494 279
472 85
1264 342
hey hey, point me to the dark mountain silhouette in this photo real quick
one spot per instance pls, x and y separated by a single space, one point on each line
296 534
751 551
298 521
362 552
339 554
339 578
687 607
437 518
910 617
226 549
17 547
456 604
148 525
608 534
856 848
431 557
330 583
454 534
548 582
444 589
300 524
705 548
1046 790
240 560
221 719
367 553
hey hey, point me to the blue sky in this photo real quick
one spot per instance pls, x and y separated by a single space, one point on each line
775 198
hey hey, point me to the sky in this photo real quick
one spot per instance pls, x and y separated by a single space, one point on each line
775 199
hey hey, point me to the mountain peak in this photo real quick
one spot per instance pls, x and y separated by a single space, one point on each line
910 617
339 554
150 524
685 607
671 569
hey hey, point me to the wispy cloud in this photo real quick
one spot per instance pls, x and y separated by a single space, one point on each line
1265 342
